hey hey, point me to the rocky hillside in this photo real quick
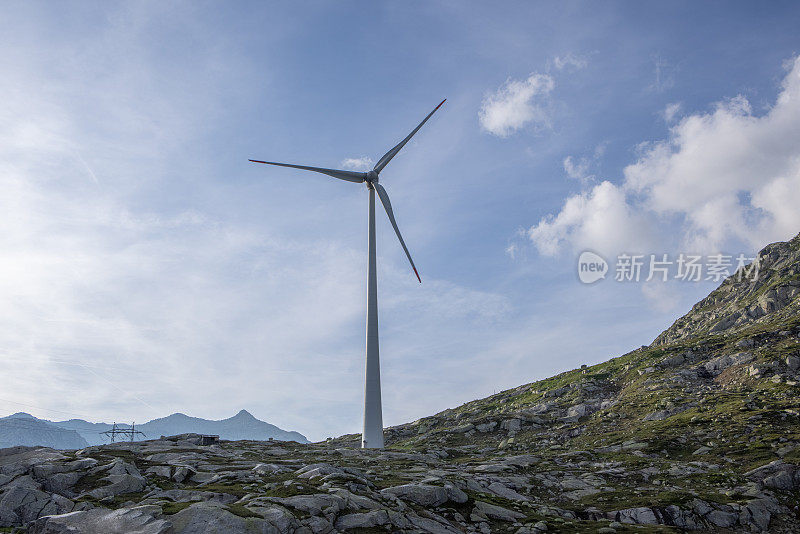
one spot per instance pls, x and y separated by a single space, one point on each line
698 431
743 300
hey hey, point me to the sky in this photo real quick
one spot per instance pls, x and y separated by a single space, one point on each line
146 267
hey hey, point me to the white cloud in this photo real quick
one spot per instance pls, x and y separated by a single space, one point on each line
721 176
576 168
364 163
580 168
598 219
671 112
570 61
516 104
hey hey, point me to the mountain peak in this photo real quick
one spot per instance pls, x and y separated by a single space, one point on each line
244 414
743 299
21 415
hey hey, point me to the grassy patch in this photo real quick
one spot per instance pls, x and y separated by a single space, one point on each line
622 499
171 508
232 489
291 490
91 481
241 511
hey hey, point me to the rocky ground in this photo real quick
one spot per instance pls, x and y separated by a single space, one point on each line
699 431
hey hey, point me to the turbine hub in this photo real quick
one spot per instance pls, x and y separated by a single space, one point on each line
372 176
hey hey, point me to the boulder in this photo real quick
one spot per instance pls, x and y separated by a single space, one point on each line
427 525
579 410
317 470
20 505
716 365
213 517
269 469
522 460
163 471
777 475
189 438
501 490
580 493
512 425
24 481
486 427
660 415
556 392
182 473
62 483
175 458
278 520
317 504
18 460
422 494
638 516
674 515
121 478
722 518
370 519
758 512
136 520
672 361
318 525
484 511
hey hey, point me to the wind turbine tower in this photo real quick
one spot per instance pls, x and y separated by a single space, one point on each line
372 435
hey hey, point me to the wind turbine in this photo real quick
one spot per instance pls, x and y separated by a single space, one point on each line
372 435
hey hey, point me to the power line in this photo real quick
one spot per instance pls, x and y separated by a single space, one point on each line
45 409
128 432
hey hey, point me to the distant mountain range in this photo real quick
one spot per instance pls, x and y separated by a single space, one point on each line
25 429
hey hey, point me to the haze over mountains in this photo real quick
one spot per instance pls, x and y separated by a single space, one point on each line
24 429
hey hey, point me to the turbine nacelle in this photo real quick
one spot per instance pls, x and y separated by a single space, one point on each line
370 179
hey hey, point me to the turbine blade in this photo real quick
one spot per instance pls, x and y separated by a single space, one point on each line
350 176
393 152
388 207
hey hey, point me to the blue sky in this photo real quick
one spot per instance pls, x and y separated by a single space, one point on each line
138 243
